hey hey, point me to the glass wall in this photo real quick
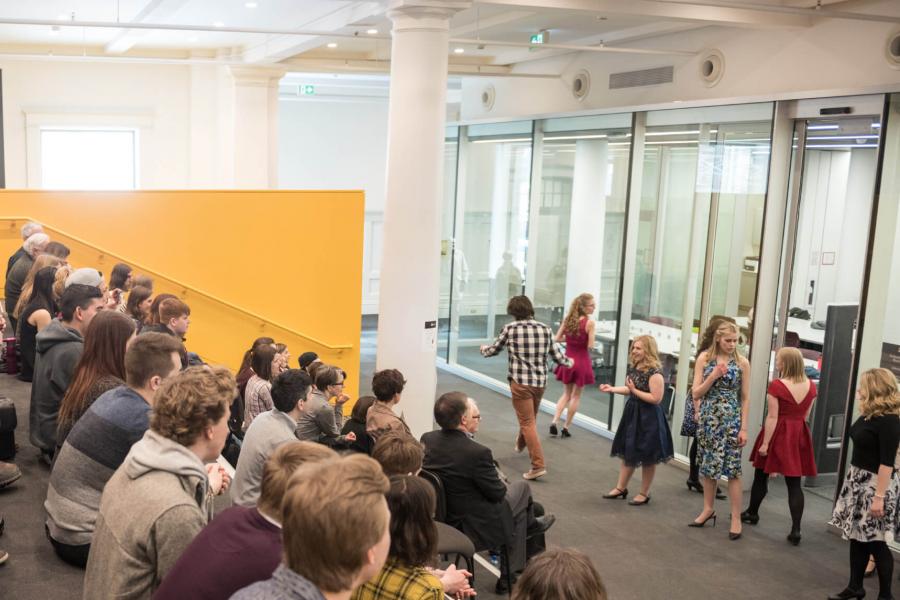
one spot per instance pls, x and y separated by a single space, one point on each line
452 273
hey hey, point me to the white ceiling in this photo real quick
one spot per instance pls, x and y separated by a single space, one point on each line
579 22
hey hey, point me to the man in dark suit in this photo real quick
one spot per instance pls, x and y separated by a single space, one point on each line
478 503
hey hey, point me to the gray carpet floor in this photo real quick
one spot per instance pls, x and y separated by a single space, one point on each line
642 553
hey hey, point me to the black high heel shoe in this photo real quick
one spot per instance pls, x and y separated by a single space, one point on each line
622 494
712 516
750 518
847 594
734 536
794 537
693 484
646 500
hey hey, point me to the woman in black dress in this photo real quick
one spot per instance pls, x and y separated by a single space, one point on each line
643 438
866 510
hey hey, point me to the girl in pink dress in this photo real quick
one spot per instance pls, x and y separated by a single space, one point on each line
578 331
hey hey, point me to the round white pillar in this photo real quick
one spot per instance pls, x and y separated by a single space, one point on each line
410 260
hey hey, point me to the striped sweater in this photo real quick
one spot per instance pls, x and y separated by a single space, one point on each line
93 450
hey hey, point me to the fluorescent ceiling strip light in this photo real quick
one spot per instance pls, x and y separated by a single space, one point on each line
500 140
869 136
876 125
672 142
652 133
823 127
842 145
574 137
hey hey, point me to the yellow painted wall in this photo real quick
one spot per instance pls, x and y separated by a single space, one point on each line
292 258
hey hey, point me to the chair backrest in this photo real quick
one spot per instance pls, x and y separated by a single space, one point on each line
792 338
810 354
440 511
666 404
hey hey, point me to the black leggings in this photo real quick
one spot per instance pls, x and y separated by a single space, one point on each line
692 455
884 563
795 496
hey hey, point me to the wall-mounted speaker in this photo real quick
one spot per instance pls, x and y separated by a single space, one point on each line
712 67
488 94
581 84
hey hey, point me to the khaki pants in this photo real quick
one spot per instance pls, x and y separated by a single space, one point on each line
526 399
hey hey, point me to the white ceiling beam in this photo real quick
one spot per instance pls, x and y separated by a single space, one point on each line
630 34
159 10
696 11
282 47
478 25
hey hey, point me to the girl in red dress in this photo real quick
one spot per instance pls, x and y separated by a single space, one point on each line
578 331
784 445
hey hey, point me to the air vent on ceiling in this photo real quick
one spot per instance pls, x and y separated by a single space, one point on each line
641 78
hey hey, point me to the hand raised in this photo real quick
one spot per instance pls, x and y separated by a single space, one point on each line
605 388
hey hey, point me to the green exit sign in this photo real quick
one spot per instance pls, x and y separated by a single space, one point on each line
309 90
540 38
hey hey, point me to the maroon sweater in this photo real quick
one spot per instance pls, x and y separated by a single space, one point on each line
237 548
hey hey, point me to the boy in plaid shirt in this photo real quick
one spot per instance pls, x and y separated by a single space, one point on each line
528 343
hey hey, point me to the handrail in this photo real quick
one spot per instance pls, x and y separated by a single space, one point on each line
194 290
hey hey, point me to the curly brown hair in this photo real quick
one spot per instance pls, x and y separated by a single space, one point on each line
576 311
191 401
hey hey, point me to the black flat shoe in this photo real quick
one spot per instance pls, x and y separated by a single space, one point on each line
847 594
750 518
553 430
646 500
794 538
565 433
621 494
734 536
693 484
712 516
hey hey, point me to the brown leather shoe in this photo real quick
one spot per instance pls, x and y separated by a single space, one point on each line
8 474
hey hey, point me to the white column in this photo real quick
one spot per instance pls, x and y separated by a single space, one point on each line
587 219
410 261
254 123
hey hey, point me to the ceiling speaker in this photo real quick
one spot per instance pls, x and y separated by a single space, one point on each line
581 84
712 67
892 49
488 94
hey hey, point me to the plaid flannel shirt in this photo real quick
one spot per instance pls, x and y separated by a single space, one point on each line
399 582
528 343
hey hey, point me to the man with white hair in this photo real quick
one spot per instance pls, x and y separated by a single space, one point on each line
15 278
28 229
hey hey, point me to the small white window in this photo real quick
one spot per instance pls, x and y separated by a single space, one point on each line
89 159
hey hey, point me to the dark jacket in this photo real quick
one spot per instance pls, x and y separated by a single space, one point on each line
474 492
364 442
15 279
58 350
12 259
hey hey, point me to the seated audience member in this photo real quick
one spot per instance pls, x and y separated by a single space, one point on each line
560 574
100 368
245 371
41 262
387 386
28 229
268 431
59 250
285 355
161 496
398 454
258 393
413 545
343 498
58 348
34 317
143 281
99 442
59 282
15 277
87 276
174 319
357 425
119 284
319 421
138 305
478 502
307 360
241 545
154 307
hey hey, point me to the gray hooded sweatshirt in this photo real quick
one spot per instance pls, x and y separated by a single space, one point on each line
58 350
151 509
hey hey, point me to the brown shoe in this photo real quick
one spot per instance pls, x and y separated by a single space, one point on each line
8 474
534 474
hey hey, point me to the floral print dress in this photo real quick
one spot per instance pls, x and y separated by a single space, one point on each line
720 423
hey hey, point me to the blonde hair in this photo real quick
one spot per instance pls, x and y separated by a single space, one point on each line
878 394
651 353
576 311
710 344
792 366
334 511
44 260
59 281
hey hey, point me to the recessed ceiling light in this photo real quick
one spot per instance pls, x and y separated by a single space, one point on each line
372 31
251 4
218 24
458 50
332 44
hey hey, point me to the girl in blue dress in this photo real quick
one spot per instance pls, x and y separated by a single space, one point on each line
721 389
643 438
